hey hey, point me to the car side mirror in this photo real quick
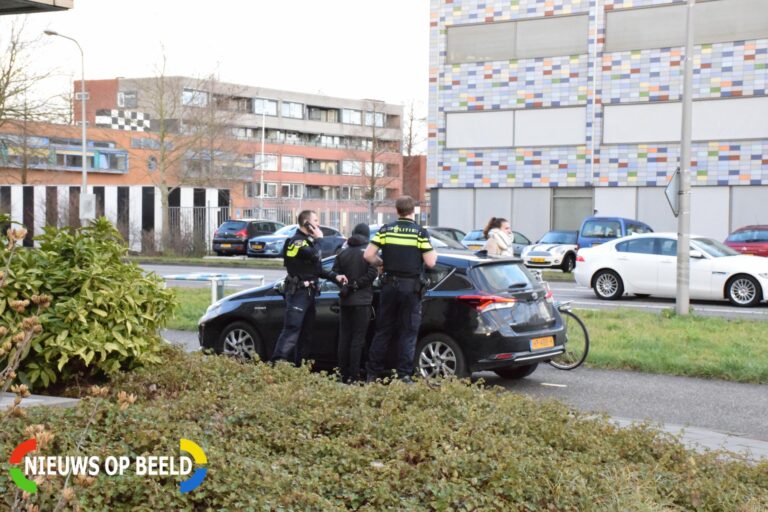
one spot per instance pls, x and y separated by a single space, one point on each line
696 254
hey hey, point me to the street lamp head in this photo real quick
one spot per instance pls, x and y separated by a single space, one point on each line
50 32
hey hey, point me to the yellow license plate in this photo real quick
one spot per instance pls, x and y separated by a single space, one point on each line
539 343
257 247
226 246
538 260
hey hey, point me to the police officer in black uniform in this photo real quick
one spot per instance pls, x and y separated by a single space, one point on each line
405 249
302 261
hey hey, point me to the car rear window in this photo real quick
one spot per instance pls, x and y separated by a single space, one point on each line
503 277
233 225
474 235
601 229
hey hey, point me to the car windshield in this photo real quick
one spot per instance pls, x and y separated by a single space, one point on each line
559 237
233 225
714 248
749 236
286 230
503 277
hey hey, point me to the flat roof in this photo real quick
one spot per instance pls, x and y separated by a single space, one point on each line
32 6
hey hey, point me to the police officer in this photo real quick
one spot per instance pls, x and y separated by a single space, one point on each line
302 261
405 249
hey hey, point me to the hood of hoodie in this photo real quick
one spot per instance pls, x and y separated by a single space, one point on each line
357 241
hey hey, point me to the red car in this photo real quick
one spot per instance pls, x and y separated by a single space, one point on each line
749 240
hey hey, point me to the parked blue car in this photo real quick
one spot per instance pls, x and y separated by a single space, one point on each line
272 245
598 230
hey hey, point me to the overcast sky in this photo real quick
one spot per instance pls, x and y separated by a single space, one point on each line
350 48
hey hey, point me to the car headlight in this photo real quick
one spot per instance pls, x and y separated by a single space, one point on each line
559 250
276 245
214 308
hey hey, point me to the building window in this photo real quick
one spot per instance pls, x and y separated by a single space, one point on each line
326 115
293 164
294 110
269 163
292 190
194 98
350 167
379 166
323 166
523 39
252 190
374 118
350 116
664 26
264 106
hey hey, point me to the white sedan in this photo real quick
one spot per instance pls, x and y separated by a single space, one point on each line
646 264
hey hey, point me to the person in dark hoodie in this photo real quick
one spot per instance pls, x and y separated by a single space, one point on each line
355 298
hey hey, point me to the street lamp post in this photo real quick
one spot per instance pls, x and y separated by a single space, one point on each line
87 201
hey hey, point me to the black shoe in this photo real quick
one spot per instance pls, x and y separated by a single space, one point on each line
406 380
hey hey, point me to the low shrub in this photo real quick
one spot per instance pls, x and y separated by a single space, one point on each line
280 438
104 313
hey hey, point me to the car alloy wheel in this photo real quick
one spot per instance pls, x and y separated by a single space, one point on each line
608 285
743 291
239 341
439 356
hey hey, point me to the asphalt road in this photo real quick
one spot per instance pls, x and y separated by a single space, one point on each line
726 407
585 298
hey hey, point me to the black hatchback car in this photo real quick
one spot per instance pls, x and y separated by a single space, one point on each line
232 236
478 314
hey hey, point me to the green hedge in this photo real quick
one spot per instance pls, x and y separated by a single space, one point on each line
280 438
104 313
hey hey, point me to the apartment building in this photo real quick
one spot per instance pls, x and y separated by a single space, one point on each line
545 111
320 152
41 176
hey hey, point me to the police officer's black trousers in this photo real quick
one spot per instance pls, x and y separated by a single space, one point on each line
353 327
397 324
296 336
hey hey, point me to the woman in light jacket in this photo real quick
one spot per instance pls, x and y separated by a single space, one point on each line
498 234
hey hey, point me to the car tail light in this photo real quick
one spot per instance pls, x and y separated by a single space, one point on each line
504 356
579 259
242 233
485 303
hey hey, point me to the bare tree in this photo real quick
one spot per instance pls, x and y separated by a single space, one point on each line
413 130
377 171
18 96
192 133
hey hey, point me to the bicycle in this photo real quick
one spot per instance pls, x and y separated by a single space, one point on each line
576 339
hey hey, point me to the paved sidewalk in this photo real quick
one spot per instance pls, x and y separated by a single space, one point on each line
6 400
703 440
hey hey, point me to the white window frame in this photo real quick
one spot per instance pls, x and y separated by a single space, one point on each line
292 159
194 98
263 103
349 168
292 110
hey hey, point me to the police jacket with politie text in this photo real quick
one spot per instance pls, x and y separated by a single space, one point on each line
402 244
302 258
360 273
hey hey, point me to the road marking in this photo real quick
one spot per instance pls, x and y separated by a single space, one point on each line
553 385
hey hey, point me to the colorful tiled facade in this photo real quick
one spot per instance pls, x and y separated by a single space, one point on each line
721 70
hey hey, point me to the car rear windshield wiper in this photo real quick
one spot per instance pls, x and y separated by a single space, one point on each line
517 285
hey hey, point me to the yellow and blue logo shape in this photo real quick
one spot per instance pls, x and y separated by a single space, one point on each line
198 455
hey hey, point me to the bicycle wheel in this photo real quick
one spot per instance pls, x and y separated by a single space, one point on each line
576 343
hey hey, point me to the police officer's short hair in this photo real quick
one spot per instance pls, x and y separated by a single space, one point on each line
405 205
304 216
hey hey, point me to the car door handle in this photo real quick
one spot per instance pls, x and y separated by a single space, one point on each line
335 308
